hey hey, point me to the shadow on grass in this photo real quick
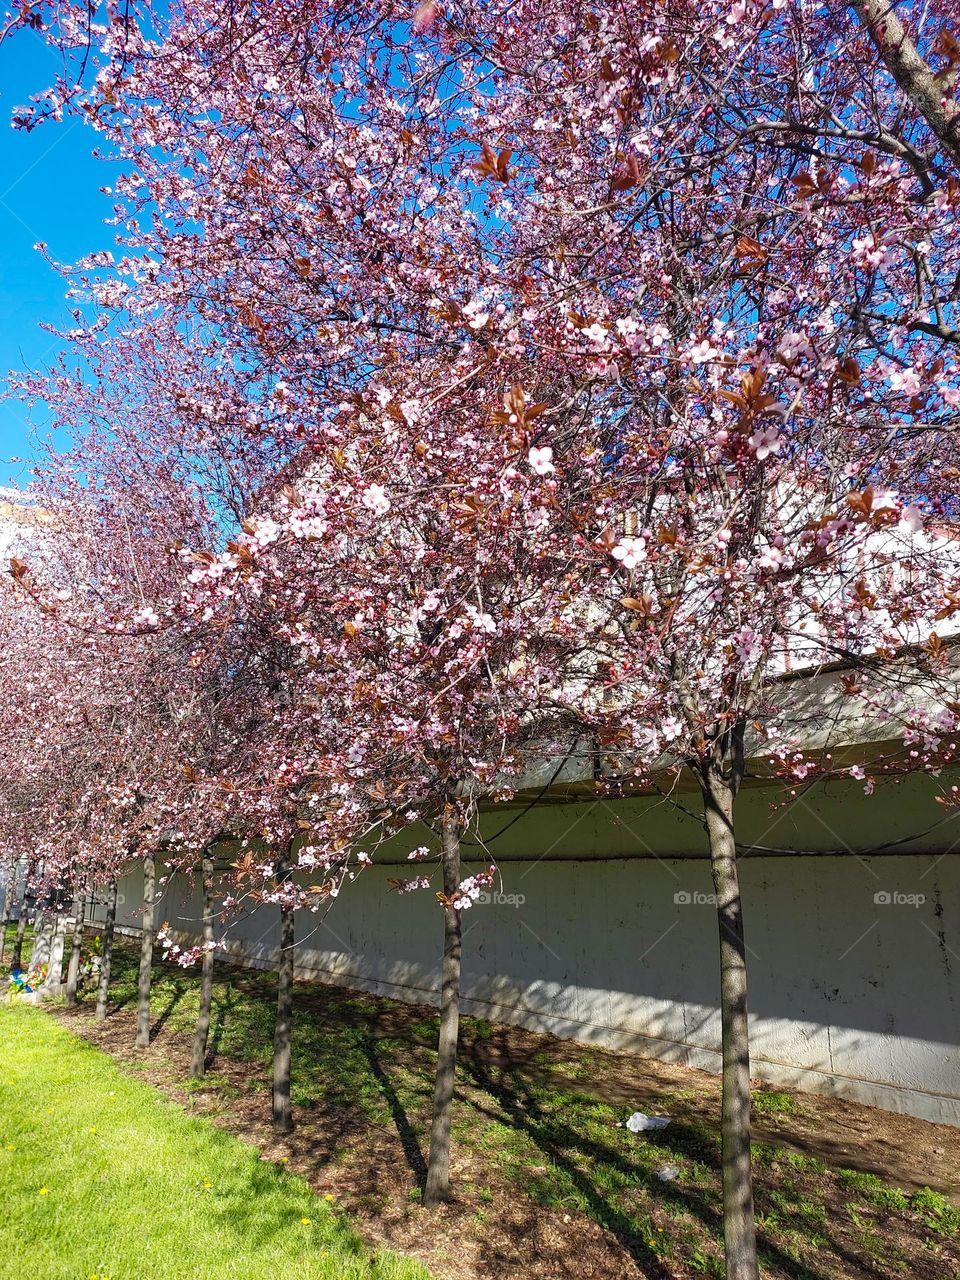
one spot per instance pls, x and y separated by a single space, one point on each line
164 1015
408 1138
223 1007
557 1140
356 1058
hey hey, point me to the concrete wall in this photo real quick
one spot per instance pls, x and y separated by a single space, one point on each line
607 934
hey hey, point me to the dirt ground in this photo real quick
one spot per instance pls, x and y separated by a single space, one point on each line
496 1229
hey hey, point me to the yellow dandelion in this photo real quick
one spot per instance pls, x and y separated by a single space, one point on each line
44 1191
208 1186
306 1221
93 1128
328 1196
284 1159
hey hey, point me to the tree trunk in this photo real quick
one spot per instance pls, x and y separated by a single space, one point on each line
198 1061
9 886
17 959
73 968
107 958
437 1187
720 780
282 1112
146 951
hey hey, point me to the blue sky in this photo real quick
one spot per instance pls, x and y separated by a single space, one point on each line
49 191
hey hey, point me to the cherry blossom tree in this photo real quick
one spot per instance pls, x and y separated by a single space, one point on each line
752 336
659 301
426 633
106 710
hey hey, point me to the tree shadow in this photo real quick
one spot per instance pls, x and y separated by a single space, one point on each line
223 1008
408 1138
114 1006
556 1140
165 1013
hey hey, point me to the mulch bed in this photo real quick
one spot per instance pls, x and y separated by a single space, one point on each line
494 1230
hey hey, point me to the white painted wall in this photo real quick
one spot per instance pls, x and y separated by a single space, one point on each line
848 995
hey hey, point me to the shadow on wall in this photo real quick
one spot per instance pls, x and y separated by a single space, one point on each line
853 960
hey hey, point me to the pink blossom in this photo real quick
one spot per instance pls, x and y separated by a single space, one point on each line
766 442
412 885
541 460
748 645
906 380
911 520
481 621
598 336
702 352
375 497
631 552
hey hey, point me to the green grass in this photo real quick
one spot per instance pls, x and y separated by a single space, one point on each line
538 1134
938 1215
770 1102
104 1177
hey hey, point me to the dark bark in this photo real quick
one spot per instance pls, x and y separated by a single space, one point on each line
720 779
107 958
199 1058
146 951
17 958
282 1111
437 1187
9 886
73 968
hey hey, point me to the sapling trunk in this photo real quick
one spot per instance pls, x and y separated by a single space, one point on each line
720 780
282 1111
107 958
437 1187
9 885
17 958
199 1058
73 968
146 951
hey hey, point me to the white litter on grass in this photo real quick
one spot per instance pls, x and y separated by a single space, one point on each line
668 1173
640 1123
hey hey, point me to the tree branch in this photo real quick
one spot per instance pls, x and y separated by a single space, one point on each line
926 91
